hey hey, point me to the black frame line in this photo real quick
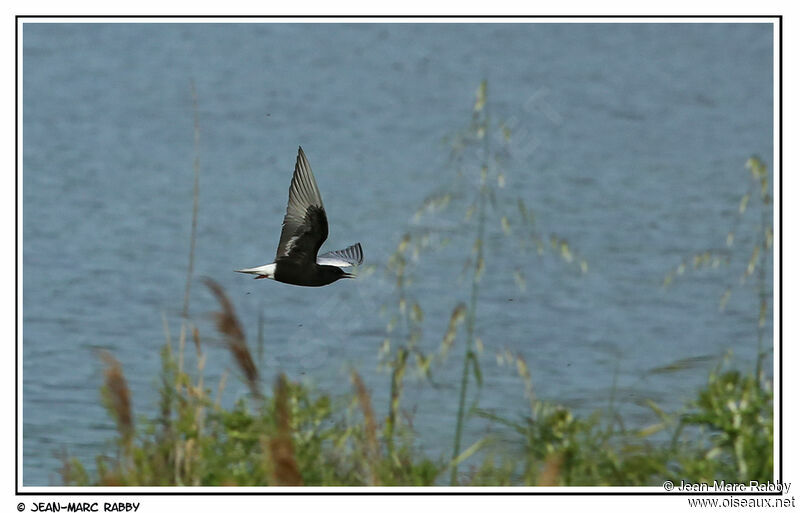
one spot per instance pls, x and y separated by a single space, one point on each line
413 16
523 491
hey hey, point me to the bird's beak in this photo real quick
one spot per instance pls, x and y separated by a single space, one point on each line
348 275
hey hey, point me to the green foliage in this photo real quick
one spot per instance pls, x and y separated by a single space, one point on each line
183 445
297 436
731 439
736 410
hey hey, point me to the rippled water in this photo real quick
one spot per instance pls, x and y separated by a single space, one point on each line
629 141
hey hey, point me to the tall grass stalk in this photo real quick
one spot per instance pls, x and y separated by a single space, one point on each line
491 142
483 125
408 316
760 175
195 201
759 252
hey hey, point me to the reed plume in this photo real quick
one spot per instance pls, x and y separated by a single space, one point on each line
117 396
284 465
364 401
228 324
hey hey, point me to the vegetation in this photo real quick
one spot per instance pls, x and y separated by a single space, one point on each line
293 435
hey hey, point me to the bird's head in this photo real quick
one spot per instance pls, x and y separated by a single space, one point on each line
333 273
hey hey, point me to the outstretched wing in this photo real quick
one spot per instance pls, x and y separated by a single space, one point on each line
305 225
346 257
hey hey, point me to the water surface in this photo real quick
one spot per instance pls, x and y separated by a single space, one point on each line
628 140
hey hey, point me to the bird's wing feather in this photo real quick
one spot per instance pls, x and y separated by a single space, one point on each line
305 225
346 257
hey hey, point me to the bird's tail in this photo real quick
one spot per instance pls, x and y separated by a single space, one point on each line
264 271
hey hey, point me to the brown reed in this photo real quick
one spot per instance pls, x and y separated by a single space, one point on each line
228 324
117 396
398 371
196 338
551 471
456 318
284 466
371 448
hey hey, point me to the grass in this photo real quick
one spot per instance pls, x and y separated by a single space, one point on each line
289 437
295 436
292 435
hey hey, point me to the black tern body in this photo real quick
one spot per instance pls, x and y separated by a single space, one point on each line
305 228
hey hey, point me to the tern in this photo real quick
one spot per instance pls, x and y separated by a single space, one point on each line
305 228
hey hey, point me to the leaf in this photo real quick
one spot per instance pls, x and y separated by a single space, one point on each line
472 449
751 265
679 365
657 410
650 430
456 318
476 246
755 167
743 203
522 369
480 97
522 210
566 254
469 212
401 247
519 278
476 368
416 313
479 269
423 364
724 299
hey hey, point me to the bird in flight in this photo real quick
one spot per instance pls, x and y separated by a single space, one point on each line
305 228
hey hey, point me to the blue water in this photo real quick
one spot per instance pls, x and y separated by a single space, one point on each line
628 140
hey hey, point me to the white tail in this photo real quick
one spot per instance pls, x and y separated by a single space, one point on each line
267 271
